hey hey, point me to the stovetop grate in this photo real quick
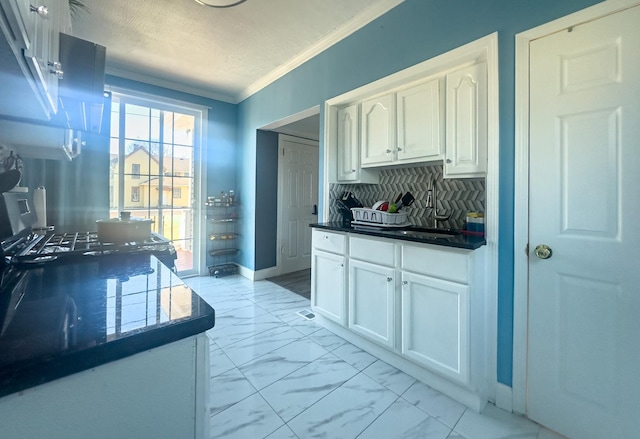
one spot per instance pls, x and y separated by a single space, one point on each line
79 243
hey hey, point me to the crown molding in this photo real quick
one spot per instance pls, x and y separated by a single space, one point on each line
323 44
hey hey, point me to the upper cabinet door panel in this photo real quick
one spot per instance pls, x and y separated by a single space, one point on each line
421 122
348 160
378 130
466 144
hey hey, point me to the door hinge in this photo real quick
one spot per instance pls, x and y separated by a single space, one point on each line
526 249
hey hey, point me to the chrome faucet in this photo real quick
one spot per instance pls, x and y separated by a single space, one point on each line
432 203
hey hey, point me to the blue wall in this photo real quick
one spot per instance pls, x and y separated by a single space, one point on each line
412 32
266 198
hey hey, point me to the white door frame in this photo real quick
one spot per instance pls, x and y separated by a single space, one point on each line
521 206
279 232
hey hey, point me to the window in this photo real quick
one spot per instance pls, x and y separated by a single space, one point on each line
154 150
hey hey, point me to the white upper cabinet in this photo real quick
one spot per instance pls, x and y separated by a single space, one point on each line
348 160
29 46
466 132
348 148
378 131
404 127
420 122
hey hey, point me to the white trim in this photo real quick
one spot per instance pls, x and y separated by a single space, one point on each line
257 275
201 114
280 206
521 206
504 397
183 87
485 48
293 118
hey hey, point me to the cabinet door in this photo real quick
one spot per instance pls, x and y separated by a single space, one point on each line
420 122
327 285
378 131
466 144
372 301
435 325
348 157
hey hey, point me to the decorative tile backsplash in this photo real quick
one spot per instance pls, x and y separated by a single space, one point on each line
455 197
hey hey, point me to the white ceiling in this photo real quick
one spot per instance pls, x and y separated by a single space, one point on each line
224 54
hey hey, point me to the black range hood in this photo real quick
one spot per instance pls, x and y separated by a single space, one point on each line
81 90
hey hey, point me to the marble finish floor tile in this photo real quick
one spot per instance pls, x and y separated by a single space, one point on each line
228 389
327 339
244 314
390 377
434 403
219 363
354 356
494 423
244 328
283 432
276 375
346 411
250 418
262 343
403 420
296 392
303 325
271 367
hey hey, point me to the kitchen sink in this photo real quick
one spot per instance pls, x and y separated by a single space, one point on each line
428 233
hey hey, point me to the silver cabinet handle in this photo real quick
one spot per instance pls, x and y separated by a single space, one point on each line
42 10
389 151
448 160
353 171
404 282
398 149
389 279
326 237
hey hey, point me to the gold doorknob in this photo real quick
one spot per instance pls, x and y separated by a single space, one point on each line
543 251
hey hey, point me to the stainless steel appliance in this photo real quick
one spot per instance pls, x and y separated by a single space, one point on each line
20 246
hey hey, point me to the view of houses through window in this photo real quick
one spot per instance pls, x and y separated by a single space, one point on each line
152 169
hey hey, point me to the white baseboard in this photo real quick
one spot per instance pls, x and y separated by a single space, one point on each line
504 399
257 275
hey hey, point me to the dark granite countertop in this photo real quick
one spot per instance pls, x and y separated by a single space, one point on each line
458 239
60 319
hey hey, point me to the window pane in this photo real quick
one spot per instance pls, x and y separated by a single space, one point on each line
182 163
115 119
136 122
179 128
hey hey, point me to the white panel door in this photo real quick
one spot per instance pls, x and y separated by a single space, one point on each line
328 285
435 324
372 301
298 170
584 300
348 148
466 121
420 122
378 142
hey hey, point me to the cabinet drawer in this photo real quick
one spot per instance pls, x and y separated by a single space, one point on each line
376 252
450 264
328 241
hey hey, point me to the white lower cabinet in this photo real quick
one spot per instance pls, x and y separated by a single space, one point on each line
328 278
419 307
435 324
372 301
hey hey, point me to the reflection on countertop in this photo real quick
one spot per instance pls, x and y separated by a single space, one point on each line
59 319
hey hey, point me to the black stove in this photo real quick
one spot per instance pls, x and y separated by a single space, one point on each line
35 248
